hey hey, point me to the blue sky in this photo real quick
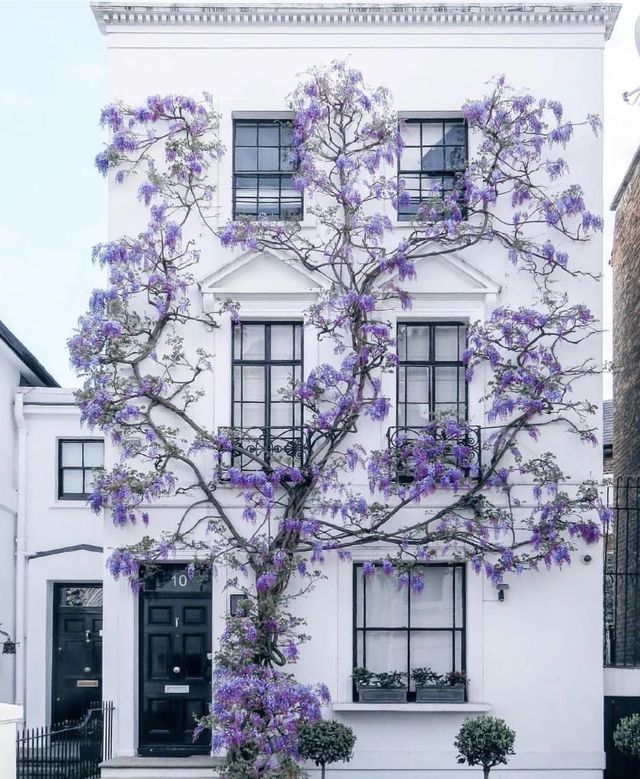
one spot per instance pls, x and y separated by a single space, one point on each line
52 86
53 202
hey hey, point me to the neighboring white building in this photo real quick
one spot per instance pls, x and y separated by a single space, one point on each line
18 369
48 537
534 659
62 560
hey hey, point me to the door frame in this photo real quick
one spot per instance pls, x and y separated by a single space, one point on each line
176 751
57 585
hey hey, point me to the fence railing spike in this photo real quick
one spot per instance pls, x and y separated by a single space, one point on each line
70 748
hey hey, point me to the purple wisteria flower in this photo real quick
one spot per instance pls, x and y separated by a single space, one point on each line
438 489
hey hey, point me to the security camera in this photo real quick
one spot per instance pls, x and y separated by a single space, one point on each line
586 559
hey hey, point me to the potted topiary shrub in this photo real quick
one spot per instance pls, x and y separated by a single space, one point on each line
626 736
385 687
432 687
485 741
325 742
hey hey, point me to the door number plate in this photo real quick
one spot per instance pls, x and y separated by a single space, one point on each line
174 688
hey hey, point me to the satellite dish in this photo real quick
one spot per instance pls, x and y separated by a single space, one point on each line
638 34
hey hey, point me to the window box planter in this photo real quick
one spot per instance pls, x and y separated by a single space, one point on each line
382 694
454 693
382 687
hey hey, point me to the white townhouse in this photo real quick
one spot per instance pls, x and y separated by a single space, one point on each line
19 371
48 535
59 565
533 654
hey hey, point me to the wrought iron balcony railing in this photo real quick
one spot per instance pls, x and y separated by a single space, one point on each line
262 448
435 442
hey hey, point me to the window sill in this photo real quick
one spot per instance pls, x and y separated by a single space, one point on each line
463 708
400 223
70 503
308 222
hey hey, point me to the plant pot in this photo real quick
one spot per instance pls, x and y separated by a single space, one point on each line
440 694
382 694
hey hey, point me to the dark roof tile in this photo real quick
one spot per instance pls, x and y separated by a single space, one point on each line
26 357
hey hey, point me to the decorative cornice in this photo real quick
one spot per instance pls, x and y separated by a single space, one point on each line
111 16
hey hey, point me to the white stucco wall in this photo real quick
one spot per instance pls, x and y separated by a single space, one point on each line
17 367
536 658
12 372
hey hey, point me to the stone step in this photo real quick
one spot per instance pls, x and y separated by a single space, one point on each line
192 767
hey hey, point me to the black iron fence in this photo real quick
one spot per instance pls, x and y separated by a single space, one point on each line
622 576
67 750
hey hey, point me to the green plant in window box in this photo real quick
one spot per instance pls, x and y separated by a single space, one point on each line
432 687
384 687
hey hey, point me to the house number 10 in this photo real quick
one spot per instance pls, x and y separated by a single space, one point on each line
179 581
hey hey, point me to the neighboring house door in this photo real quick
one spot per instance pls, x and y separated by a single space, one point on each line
175 662
77 650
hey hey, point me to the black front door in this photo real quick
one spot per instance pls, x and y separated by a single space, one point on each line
175 662
619 766
77 650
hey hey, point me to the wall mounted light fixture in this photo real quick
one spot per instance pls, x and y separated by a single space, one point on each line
9 645
502 588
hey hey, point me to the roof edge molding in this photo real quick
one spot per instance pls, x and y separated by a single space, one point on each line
27 358
111 16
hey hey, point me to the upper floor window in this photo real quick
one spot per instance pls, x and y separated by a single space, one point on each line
79 461
401 629
433 158
431 374
263 170
267 357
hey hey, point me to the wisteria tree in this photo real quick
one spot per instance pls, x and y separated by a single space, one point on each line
145 381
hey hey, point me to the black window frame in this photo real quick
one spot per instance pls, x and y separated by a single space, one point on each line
280 174
61 468
407 591
404 215
296 432
432 363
